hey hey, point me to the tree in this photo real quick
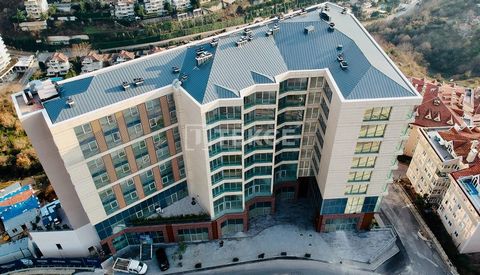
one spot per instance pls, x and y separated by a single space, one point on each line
81 49
20 16
194 4
140 10
52 10
168 7
71 73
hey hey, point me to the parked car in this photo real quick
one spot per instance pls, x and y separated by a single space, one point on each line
130 266
162 259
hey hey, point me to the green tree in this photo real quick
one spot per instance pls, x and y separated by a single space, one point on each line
140 10
194 4
168 7
52 10
20 16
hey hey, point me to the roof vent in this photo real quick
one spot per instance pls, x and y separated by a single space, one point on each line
138 81
326 8
302 12
343 65
331 27
324 16
242 41
309 29
183 77
269 32
175 70
70 102
344 11
339 47
247 31
276 28
214 42
125 85
340 57
203 57
436 102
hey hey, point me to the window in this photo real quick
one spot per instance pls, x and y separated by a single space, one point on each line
367 147
316 82
86 140
363 162
352 189
354 205
59 246
152 122
377 113
294 84
359 176
372 131
116 136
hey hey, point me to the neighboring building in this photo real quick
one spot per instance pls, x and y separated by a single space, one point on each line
124 8
19 208
154 6
460 209
181 4
439 152
437 110
33 26
13 250
57 64
224 127
122 56
5 63
36 8
93 61
24 63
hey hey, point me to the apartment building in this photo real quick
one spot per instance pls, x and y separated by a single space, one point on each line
94 61
181 4
57 64
439 152
439 108
154 6
36 8
460 209
124 8
221 128
5 63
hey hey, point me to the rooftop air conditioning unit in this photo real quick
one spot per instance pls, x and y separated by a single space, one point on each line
125 85
70 102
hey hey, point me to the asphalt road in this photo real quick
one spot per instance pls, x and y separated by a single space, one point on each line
296 267
418 256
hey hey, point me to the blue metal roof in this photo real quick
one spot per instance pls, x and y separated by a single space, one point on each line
369 75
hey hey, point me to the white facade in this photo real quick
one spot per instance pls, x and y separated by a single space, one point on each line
5 66
58 64
35 8
154 6
124 8
459 212
92 63
181 4
66 244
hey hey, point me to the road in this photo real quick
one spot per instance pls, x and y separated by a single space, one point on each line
419 257
286 267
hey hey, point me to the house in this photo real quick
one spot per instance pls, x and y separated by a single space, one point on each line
121 57
36 8
19 209
33 26
93 61
24 63
439 152
154 6
181 4
57 64
124 9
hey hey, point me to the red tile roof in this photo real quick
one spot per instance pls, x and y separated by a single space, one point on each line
462 140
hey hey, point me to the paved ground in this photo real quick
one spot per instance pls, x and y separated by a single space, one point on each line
286 267
416 256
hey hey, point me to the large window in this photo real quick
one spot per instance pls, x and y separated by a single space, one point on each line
171 109
228 204
224 113
367 147
372 131
290 116
291 101
98 172
132 120
354 189
120 163
258 171
258 158
354 205
87 141
294 84
140 151
260 144
129 192
230 160
258 187
359 176
225 146
110 131
148 182
166 173
316 82
160 143
363 162
259 115
224 130
227 187
334 206
226 174
259 130
193 234
155 114
109 201
377 113
260 98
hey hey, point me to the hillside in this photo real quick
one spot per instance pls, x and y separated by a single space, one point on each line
443 36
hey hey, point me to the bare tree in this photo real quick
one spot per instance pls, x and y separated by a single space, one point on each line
81 49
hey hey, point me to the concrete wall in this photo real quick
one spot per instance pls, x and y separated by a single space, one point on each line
74 243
